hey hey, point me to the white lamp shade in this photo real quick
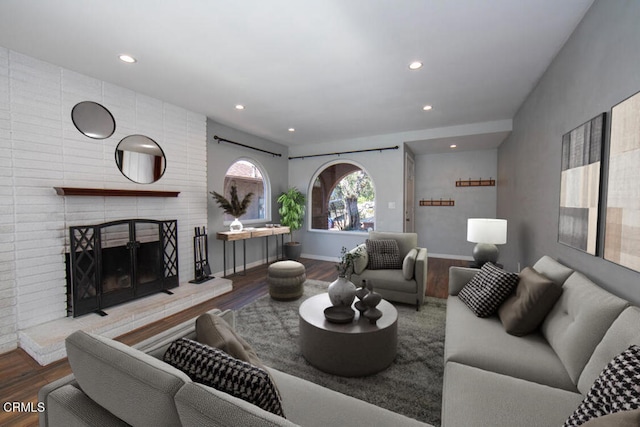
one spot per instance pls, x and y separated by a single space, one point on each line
487 230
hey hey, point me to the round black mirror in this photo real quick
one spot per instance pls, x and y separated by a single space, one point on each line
140 159
93 120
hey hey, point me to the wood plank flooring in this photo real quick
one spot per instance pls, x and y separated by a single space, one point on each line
21 377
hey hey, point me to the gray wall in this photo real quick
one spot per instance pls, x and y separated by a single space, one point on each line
443 230
598 67
219 157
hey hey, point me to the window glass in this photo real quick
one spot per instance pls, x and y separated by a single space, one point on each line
248 178
343 199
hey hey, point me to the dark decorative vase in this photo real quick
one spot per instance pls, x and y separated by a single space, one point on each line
361 293
370 301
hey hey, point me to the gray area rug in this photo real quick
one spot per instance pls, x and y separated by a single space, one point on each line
411 386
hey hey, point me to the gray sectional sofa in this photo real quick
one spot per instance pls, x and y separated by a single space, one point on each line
492 378
117 385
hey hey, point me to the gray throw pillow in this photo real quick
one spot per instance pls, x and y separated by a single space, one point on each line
360 263
215 368
214 331
409 264
488 289
523 311
616 389
383 254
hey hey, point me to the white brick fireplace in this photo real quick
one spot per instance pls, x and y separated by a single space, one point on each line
40 149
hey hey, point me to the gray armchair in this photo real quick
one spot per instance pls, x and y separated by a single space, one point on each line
406 284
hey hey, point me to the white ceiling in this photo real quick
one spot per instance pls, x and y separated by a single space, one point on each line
332 69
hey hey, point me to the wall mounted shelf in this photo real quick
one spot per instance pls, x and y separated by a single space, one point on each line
75 191
476 183
437 202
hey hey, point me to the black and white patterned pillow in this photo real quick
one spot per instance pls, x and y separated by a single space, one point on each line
488 289
616 389
215 368
383 254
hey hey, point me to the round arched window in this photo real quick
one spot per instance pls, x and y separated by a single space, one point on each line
248 177
343 199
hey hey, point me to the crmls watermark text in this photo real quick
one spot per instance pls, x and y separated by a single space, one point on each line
23 407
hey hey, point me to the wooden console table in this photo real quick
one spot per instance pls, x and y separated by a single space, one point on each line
244 235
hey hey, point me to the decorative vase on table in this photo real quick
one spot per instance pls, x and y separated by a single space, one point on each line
361 293
342 292
370 301
236 225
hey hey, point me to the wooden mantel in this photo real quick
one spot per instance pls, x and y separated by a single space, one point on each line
75 191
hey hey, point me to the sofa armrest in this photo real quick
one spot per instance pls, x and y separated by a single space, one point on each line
458 277
49 388
70 406
420 273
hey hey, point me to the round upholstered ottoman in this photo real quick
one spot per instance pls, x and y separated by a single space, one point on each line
285 280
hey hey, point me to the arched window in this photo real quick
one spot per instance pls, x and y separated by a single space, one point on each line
249 177
343 199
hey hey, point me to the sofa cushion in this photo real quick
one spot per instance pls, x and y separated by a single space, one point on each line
579 320
406 241
488 289
617 419
360 263
311 405
135 387
200 405
616 389
483 343
523 311
623 333
474 397
383 254
552 269
409 264
214 331
215 368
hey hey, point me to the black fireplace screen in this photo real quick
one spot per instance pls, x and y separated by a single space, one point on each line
120 261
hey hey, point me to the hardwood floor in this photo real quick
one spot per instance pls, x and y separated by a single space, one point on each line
21 377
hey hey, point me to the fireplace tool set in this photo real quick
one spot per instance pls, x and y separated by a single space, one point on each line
201 256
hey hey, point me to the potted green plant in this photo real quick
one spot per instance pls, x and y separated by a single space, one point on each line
234 206
292 206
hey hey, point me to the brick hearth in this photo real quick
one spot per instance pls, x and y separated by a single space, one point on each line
45 342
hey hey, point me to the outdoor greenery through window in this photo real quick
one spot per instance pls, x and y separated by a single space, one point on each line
248 178
343 199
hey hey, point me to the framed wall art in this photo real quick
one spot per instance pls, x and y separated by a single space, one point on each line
580 185
622 223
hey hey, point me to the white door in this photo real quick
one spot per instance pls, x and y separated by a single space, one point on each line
409 193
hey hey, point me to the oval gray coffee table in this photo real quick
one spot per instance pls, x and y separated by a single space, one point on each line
353 349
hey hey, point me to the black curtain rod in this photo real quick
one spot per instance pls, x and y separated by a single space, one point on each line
217 138
345 152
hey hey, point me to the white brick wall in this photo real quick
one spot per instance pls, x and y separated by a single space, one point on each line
8 298
40 148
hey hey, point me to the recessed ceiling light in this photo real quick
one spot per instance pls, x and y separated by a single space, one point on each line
427 107
415 65
239 107
127 58
292 130
453 146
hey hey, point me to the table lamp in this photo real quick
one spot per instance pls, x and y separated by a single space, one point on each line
486 233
